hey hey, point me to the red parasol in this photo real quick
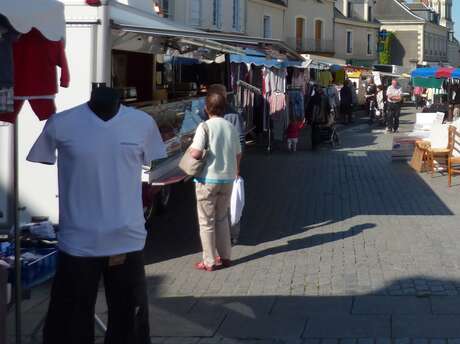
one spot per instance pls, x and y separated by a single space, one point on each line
444 72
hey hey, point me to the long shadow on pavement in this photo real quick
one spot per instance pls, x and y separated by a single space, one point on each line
313 317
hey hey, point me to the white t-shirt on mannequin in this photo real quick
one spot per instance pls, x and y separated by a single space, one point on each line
99 168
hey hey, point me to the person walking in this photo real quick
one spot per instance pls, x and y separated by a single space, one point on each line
394 98
346 102
214 185
293 133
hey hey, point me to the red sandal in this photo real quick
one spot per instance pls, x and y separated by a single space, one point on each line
202 266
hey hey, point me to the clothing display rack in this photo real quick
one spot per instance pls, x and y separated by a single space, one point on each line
249 120
249 86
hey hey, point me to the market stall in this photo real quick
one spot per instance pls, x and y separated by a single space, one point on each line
443 106
442 85
269 89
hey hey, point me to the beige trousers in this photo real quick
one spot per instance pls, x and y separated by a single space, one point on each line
213 203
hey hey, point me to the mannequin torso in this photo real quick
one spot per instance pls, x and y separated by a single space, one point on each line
104 102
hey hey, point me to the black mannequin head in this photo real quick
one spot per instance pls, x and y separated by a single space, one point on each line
104 102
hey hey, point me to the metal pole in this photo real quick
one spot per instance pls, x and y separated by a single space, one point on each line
17 238
103 46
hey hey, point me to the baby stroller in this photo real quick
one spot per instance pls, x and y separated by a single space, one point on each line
324 119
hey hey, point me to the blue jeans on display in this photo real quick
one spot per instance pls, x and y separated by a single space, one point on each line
296 103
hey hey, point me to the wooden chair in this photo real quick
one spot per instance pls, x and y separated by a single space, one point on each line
454 159
441 155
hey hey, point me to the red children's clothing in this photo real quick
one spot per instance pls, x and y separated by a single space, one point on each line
43 108
293 129
35 75
35 61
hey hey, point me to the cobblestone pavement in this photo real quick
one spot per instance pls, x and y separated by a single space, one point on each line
338 247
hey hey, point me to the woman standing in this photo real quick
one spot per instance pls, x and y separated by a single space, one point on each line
215 183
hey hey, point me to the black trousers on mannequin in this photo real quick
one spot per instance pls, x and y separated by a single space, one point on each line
70 317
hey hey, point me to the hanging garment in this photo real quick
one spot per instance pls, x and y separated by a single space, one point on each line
35 74
42 107
7 37
299 79
339 77
296 104
325 78
35 61
277 103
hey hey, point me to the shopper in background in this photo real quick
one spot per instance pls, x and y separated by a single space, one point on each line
214 185
293 133
333 95
231 114
394 98
236 119
371 93
354 95
418 91
346 102
381 103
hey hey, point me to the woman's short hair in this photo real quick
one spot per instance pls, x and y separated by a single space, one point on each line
218 88
215 104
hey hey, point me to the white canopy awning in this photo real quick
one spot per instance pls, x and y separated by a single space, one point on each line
317 60
47 16
128 19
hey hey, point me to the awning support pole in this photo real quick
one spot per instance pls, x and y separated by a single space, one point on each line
103 46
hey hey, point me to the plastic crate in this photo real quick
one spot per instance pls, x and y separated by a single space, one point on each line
6 249
40 270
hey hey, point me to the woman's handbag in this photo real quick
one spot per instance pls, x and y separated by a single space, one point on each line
190 165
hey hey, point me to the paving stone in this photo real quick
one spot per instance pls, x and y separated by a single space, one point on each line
263 326
390 305
348 326
420 341
166 323
438 341
365 341
382 340
426 326
312 305
445 304
348 341
402 340
180 340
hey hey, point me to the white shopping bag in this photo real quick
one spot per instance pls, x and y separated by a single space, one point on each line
237 201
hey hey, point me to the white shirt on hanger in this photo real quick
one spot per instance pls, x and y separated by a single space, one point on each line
99 174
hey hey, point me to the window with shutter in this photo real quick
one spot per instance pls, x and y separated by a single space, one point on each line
195 12
217 13
369 44
236 15
267 27
349 42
